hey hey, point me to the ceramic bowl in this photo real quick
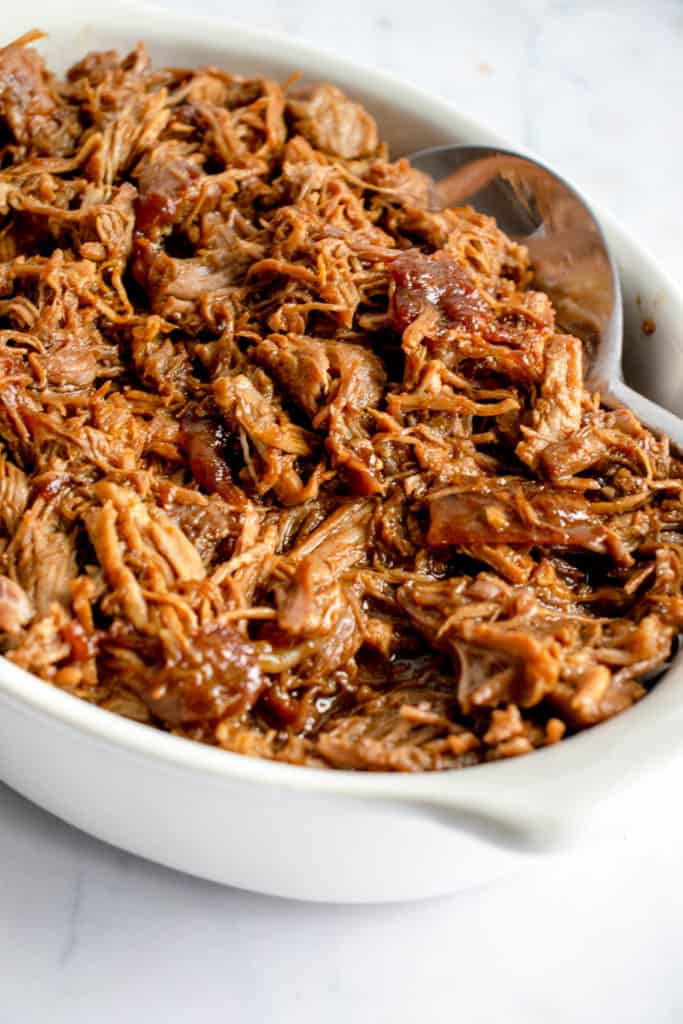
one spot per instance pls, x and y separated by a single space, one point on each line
302 832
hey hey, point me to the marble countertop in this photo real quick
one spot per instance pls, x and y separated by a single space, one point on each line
88 933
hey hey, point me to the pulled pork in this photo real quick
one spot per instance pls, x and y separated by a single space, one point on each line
290 463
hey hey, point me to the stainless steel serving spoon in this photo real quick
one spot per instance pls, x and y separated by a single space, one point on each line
569 254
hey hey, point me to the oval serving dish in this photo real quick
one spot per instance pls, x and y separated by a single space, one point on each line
302 832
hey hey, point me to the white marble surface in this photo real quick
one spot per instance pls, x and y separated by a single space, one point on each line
89 934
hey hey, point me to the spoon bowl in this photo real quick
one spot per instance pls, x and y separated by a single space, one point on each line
570 257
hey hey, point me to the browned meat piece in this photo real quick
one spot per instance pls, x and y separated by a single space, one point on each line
175 286
41 557
314 601
29 104
206 444
274 442
209 523
266 415
406 183
411 728
254 412
124 101
14 492
521 514
41 647
561 460
496 263
557 413
476 240
215 676
333 123
494 664
319 627
160 364
594 692
143 556
16 609
300 366
337 384
105 232
340 540
94 68
79 361
167 188
440 283
357 392
440 312
508 647
67 349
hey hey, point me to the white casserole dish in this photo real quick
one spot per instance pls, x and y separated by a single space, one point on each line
300 832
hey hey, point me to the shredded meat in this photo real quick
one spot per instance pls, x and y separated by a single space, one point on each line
334 124
291 463
15 607
29 102
521 514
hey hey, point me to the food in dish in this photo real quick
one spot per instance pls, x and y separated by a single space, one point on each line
292 463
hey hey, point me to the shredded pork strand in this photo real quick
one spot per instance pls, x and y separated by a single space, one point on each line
290 463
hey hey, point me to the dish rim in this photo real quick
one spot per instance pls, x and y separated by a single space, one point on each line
540 797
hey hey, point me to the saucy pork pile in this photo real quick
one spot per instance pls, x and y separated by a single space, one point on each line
290 463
